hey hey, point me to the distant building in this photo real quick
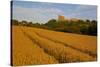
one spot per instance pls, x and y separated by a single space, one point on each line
74 19
61 18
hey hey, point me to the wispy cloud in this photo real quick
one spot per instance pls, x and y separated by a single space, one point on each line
42 12
36 14
83 12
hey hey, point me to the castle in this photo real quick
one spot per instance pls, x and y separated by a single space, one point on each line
62 18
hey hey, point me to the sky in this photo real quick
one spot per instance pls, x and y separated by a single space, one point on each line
42 12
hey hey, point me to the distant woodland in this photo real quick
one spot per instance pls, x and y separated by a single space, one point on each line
85 27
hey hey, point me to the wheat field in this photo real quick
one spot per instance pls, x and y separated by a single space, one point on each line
26 52
34 46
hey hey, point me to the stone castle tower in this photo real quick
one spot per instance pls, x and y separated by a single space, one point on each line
61 18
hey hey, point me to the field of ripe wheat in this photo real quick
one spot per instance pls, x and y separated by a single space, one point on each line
26 52
33 46
84 43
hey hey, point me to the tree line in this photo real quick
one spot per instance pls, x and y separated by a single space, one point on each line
86 27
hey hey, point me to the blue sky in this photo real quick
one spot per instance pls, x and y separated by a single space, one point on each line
42 12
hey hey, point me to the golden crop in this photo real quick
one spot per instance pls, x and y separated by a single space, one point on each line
85 43
26 52
38 46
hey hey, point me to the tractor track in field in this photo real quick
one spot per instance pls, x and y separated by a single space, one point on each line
38 44
66 45
46 51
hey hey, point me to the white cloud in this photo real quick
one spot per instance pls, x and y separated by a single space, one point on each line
83 12
35 14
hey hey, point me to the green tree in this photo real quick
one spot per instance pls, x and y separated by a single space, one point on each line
24 23
93 28
15 22
51 23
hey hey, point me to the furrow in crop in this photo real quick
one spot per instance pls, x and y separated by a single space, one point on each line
25 52
37 43
59 51
87 52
